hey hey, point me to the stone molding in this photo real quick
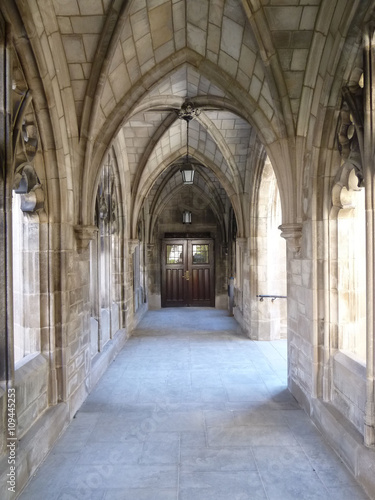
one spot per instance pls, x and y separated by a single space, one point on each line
350 127
27 185
292 233
133 245
242 243
84 234
346 184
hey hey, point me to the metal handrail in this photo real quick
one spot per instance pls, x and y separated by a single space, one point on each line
273 297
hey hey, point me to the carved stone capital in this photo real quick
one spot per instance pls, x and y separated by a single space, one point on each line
292 233
242 243
84 234
133 245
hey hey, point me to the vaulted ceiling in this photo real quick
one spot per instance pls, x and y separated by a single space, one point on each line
117 72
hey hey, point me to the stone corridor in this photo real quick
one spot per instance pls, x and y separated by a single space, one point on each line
192 410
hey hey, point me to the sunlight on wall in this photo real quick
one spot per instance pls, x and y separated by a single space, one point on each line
351 255
26 281
271 257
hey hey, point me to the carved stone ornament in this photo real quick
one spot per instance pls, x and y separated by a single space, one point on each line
292 233
25 179
346 184
133 245
188 111
350 129
29 140
242 243
114 218
34 200
84 234
103 208
27 185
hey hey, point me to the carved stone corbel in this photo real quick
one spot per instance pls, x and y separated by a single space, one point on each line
27 185
292 233
33 200
84 234
242 243
133 245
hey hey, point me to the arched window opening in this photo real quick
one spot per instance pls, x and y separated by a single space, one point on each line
26 257
270 270
105 263
351 270
139 275
94 288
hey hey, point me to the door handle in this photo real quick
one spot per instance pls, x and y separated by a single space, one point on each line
186 275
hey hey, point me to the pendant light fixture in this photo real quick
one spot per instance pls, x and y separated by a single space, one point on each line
187 113
186 217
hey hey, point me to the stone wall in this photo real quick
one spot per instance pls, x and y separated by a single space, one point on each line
203 221
76 370
261 266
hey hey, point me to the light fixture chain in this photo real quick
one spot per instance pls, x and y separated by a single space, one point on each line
187 113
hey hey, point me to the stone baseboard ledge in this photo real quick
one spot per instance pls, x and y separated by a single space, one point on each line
347 443
33 448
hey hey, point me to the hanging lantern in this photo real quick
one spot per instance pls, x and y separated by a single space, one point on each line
187 113
186 217
187 175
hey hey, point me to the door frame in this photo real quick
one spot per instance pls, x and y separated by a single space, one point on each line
193 270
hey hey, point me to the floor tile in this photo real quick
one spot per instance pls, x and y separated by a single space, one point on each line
196 459
221 486
141 494
161 448
81 494
123 476
128 452
192 410
288 484
273 458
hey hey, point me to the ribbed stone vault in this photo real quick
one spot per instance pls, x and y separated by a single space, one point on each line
256 68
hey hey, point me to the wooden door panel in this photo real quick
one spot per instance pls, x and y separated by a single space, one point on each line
201 290
174 265
187 272
175 286
201 263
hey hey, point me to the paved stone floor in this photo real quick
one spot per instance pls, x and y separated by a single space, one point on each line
191 410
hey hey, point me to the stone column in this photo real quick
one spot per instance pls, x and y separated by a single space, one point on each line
292 233
369 176
6 313
132 245
153 264
241 284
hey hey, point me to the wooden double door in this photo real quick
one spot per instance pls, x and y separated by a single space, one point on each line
187 273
